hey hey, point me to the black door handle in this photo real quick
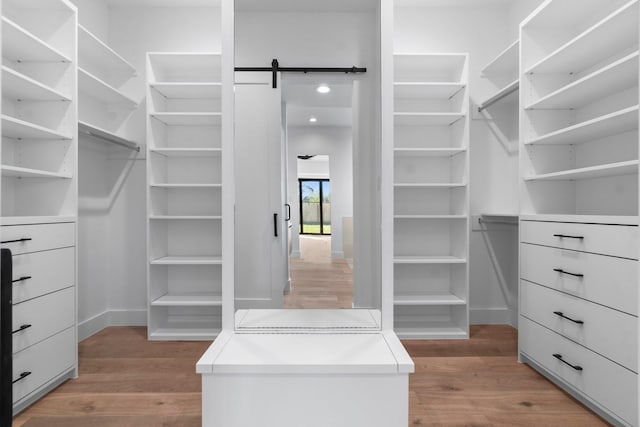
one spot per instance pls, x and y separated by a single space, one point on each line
21 328
559 270
275 225
26 239
288 218
22 376
561 314
564 236
22 279
559 357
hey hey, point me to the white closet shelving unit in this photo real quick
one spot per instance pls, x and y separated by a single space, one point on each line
39 175
503 74
431 197
104 106
579 201
184 195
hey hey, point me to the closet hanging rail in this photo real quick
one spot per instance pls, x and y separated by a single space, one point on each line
94 132
276 68
513 87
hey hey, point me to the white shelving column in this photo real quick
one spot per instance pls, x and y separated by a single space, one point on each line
579 201
185 158
503 74
431 197
40 190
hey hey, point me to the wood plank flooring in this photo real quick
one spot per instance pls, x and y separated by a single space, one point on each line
126 380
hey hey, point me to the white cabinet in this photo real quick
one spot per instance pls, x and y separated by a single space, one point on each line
184 195
431 197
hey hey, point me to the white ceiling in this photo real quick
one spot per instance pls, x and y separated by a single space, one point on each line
306 5
303 101
165 3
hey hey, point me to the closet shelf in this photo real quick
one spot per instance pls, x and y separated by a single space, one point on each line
187 260
505 63
610 124
600 171
94 51
612 34
428 152
427 90
428 260
426 300
185 217
17 86
186 185
503 93
98 89
429 217
189 331
189 90
29 220
19 45
188 152
583 219
189 119
426 119
434 330
192 300
14 171
19 129
428 185
104 135
613 78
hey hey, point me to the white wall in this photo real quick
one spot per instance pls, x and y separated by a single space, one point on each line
336 143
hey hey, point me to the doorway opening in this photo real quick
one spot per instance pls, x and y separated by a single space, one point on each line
315 206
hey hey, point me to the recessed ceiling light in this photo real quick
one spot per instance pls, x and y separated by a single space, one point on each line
323 89
312 120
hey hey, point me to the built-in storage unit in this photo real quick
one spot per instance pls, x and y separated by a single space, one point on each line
579 201
184 195
431 197
39 190
503 75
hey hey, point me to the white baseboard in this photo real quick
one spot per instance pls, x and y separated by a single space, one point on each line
489 316
339 254
108 318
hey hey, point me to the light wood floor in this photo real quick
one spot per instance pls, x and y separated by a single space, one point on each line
126 380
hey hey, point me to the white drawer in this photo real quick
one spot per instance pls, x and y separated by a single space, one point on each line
40 318
44 361
606 280
546 306
615 240
42 237
48 271
612 386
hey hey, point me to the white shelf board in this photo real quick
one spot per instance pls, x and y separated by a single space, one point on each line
428 152
188 260
184 217
429 217
187 152
583 219
14 171
19 44
426 119
105 135
429 90
188 90
188 332
615 77
610 124
98 89
510 89
429 185
18 86
612 169
505 62
599 41
428 260
160 185
93 50
188 300
427 300
29 220
437 331
189 119
19 129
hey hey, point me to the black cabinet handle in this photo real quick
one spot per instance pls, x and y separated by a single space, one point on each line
559 270
22 279
22 376
21 328
288 218
26 239
275 225
564 236
561 314
559 357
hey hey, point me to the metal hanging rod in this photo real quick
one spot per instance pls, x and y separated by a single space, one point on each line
276 68
498 97
113 139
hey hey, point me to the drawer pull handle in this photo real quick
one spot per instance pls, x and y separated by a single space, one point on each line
26 239
22 279
559 270
559 357
561 314
21 328
565 236
22 376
